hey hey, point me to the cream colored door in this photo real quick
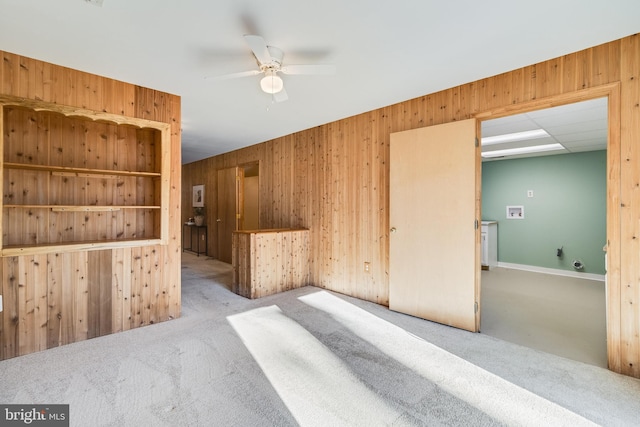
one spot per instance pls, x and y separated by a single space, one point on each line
228 213
434 270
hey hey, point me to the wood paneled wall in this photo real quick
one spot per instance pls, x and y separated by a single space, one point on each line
333 179
60 298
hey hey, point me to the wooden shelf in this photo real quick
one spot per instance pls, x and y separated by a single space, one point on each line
45 136
74 208
63 170
19 250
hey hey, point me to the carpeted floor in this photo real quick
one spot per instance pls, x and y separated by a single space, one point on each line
310 357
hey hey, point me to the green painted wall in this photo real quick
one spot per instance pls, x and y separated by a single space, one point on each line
568 209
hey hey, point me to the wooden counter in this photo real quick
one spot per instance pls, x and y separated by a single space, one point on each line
266 262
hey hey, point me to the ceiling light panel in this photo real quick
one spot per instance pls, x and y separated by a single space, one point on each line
516 136
523 150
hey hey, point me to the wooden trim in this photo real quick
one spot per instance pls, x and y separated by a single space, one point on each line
1 182
478 215
269 230
549 102
165 185
614 231
85 113
97 208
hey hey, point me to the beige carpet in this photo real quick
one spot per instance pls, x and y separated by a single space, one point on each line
313 358
559 315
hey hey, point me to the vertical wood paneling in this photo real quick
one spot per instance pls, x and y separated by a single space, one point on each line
60 298
99 293
170 300
38 290
137 283
614 244
10 313
56 334
67 313
11 73
338 176
146 292
121 288
630 209
79 270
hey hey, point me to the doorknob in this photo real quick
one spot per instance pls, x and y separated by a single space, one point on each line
218 220
393 229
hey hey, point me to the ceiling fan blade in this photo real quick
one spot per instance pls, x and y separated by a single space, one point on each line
309 69
259 48
235 75
280 96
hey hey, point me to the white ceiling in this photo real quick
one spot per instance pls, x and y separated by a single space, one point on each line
385 52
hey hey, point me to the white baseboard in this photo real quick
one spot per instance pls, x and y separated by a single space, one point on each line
567 273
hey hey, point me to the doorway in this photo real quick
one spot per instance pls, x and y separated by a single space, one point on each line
560 192
238 204
228 210
250 200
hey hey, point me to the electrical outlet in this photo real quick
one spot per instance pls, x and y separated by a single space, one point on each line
366 267
529 193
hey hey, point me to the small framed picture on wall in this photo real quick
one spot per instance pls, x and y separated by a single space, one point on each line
198 196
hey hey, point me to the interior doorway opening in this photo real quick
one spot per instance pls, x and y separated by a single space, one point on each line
547 290
251 197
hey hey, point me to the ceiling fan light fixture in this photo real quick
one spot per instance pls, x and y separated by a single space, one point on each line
271 83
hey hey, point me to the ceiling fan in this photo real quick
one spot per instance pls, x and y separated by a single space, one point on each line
269 60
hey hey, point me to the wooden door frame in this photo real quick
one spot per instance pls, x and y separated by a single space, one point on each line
614 158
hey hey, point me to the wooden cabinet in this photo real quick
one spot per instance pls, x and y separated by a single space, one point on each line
266 262
78 179
489 238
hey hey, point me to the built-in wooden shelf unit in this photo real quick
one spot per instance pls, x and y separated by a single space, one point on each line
76 179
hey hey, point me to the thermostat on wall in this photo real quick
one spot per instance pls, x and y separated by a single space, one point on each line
515 212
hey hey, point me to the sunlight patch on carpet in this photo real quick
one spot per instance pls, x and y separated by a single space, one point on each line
496 397
314 384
